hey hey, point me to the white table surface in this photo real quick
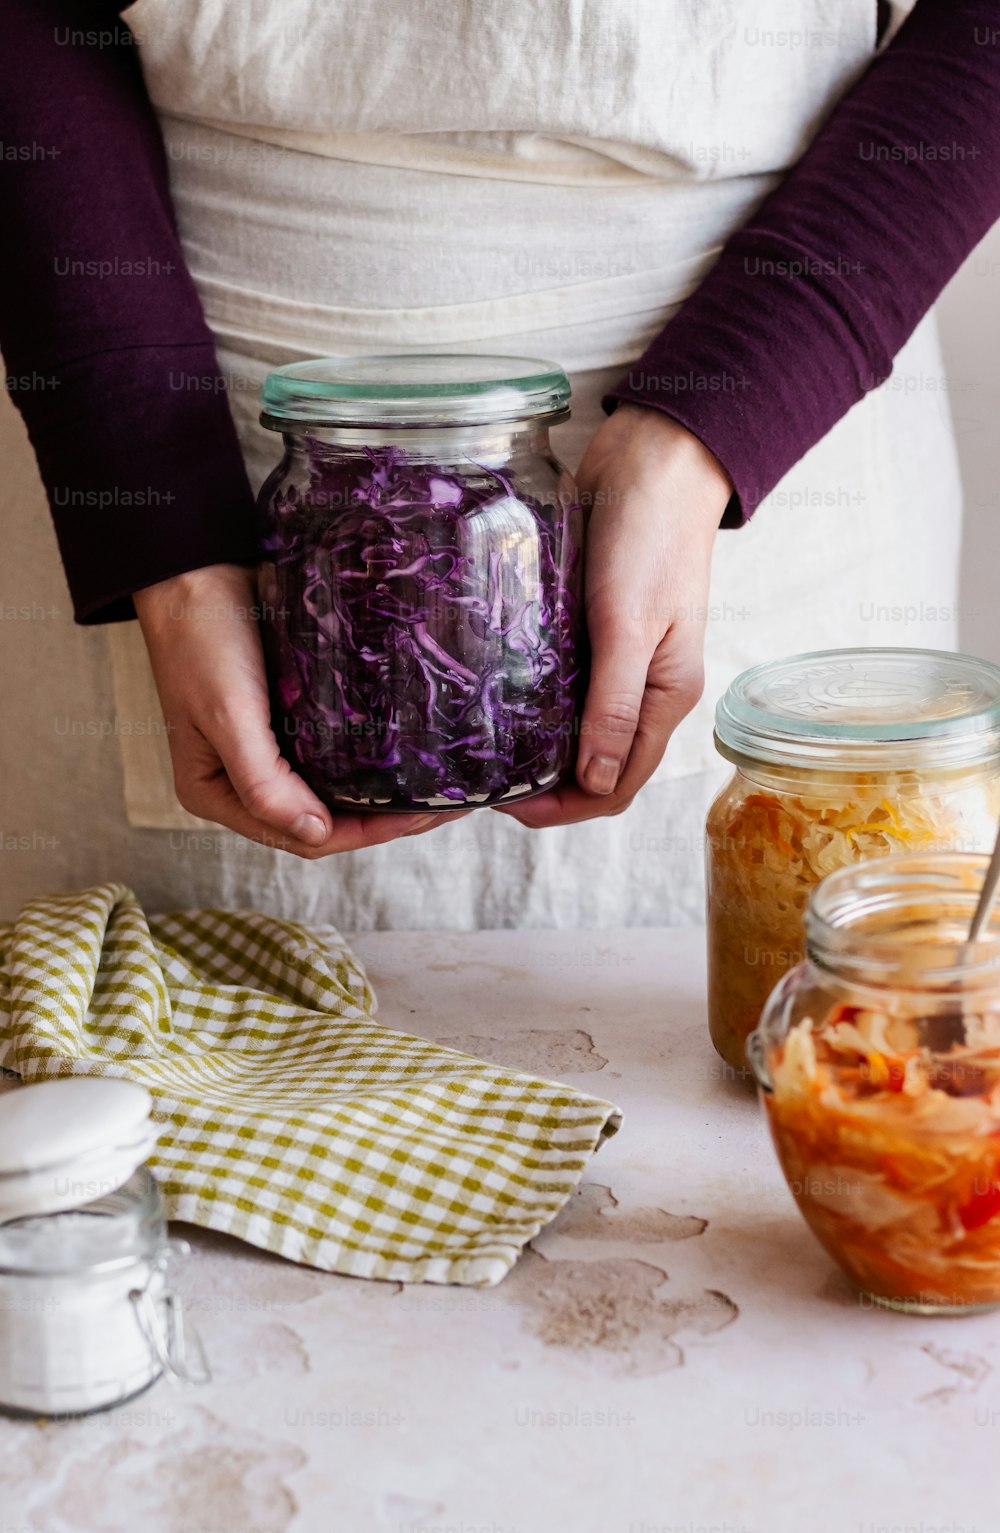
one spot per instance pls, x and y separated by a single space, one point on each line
675 1354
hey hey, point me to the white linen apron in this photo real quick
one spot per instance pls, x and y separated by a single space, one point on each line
484 176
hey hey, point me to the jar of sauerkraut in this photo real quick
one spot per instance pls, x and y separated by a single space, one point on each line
839 756
420 581
878 1062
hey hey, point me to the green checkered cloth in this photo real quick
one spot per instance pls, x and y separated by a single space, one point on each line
290 1118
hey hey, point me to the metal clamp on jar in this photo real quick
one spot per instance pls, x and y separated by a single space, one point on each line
88 1314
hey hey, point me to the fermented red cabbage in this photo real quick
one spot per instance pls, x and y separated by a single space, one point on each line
423 628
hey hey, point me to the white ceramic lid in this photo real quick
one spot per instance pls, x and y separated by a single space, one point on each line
66 1142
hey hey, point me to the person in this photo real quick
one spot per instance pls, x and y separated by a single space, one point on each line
724 220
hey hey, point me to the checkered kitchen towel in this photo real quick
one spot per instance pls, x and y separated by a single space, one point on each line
289 1117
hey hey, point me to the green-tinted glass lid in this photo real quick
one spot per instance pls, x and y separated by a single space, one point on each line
870 709
414 390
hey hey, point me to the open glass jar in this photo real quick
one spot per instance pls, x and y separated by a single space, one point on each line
839 756
878 1061
421 580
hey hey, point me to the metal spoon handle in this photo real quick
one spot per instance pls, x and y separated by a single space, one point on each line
985 902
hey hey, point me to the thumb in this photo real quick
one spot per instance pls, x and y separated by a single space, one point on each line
264 781
621 654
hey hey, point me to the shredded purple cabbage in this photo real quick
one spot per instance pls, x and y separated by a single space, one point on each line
423 630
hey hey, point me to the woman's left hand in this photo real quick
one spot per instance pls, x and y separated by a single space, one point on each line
656 496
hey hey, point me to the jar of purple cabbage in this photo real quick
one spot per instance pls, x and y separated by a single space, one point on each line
420 583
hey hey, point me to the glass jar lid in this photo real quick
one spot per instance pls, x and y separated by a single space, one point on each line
414 390
864 709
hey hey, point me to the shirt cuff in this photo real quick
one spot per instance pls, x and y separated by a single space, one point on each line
140 459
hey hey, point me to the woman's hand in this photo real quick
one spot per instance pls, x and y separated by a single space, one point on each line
201 632
655 496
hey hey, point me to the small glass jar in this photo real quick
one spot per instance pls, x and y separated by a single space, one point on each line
878 1062
421 580
88 1318
839 756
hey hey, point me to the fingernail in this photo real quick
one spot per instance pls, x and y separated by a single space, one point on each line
418 822
600 774
310 829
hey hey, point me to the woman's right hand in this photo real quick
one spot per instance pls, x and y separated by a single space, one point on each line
204 645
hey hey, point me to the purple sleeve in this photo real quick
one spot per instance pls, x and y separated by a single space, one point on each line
107 353
810 301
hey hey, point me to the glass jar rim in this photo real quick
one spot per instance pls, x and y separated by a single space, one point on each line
900 922
863 709
128 1227
414 389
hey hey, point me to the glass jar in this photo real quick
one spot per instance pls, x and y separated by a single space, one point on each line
421 580
88 1318
878 1062
840 756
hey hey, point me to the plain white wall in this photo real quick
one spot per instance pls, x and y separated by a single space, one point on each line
969 314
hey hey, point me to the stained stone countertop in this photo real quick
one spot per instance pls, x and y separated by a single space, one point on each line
674 1354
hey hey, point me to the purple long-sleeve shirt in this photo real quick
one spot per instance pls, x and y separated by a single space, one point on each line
805 308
